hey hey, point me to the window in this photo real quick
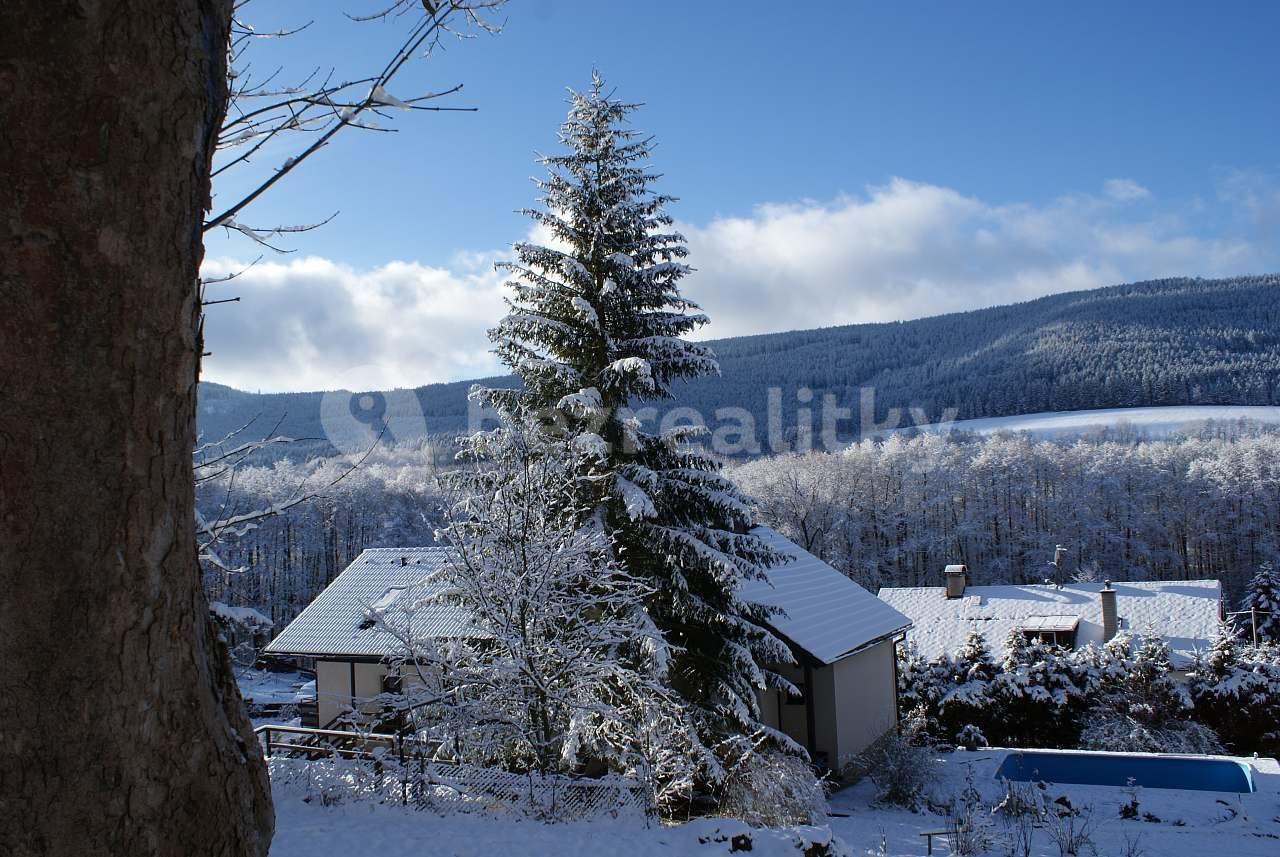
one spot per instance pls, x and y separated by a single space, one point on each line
1065 639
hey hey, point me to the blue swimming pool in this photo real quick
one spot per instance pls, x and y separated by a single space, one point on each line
1100 769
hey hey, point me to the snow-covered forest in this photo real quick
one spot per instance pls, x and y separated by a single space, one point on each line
888 513
392 499
893 513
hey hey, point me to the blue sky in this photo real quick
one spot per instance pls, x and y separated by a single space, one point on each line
999 151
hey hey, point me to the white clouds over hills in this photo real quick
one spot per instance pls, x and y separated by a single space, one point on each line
902 250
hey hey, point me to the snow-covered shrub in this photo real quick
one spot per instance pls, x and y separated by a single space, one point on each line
1021 811
967 701
1139 705
773 790
968 821
922 685
1236 692
900 765
1110 730
970 737
1070 828
336 779
1037 698
1120 696
1019 835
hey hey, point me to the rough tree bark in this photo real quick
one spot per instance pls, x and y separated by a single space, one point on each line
121 730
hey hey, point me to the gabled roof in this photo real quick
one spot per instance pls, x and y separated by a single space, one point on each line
331 625
827 614
1183 612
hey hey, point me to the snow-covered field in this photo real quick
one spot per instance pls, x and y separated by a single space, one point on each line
1151 422
1190 824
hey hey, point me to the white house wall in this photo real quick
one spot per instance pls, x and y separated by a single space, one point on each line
864 697
336 681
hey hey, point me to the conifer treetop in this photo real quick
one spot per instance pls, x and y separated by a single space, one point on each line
596 306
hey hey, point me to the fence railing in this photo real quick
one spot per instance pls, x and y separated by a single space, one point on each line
312 742
335 764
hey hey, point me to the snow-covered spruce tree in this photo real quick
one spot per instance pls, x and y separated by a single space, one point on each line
1263 595
596 322
560 669
1236 692
967 703
1038 696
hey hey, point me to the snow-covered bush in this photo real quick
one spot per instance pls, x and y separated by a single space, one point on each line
968 821
1070 828
1037 698
971 738
922 685
1236 692
1109 730
1140 706
901 765
1121 696
967 702
773 790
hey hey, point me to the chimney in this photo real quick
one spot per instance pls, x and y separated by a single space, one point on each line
1110 620
955 580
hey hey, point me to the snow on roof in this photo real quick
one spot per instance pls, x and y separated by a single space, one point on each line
1183 612
827 614
331 625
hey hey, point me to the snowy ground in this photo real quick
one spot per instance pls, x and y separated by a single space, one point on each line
264 687
271 696
1192 824
352 831
1151 422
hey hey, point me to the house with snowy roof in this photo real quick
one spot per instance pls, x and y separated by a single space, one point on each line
1184 613
842 637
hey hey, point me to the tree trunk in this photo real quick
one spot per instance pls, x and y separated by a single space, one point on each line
121 729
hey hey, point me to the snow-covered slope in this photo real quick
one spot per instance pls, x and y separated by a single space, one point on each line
1163 342
1149 422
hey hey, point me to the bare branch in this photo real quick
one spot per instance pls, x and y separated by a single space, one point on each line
326 110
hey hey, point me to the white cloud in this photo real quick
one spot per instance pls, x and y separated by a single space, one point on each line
313 324
907 249
1125 190
902 250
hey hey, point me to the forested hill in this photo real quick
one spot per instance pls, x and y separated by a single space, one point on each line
1163 342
